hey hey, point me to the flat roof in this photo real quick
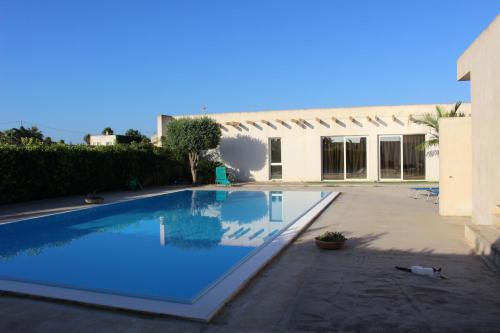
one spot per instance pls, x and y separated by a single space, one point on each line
325 109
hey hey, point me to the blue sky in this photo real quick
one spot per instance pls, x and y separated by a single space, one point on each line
73 67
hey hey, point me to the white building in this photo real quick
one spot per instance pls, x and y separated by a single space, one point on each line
102 140
375 143
108 140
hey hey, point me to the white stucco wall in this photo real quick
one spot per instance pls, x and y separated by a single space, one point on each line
102 140
161 128
245 147
480 64
455 165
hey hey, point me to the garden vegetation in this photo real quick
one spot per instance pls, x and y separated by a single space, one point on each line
192 137
34 167
37 171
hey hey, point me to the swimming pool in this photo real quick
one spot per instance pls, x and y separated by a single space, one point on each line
170 249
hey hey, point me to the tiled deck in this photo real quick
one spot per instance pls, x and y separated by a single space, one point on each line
305 289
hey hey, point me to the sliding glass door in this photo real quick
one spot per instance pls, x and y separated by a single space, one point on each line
413 157
344 158
355 148
333 157
401 157
390 157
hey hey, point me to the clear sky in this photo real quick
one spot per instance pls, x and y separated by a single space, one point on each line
73 67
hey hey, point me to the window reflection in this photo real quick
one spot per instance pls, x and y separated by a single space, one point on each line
276 206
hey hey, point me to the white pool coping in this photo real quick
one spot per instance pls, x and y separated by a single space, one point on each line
205 307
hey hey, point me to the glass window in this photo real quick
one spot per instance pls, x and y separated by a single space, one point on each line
402 152
390 157
413 157
275 150
355 156
276 172
344 157
276 167
333 157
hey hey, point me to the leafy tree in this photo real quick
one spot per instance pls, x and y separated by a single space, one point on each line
13 136
107 131
132 132
86 138
48 140
192 137
137 136
30 142
432 121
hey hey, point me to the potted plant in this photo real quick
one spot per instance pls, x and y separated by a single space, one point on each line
93 198
330 240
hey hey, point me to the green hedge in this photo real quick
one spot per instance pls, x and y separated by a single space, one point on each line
43 171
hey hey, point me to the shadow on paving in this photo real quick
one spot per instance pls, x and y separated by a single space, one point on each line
358 289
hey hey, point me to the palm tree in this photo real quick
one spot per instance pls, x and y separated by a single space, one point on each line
432 121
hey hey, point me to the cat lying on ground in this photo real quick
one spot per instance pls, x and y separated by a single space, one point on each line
426 271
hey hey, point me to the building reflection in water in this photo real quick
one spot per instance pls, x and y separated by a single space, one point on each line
276 206
242 218
162 230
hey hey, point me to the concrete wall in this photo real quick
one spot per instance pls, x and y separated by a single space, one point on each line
102 140
244 146
480 64
455 153
161 128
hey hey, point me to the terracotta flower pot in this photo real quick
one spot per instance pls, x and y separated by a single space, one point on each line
329 245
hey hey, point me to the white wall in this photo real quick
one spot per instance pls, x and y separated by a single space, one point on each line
245 147
455 164
102 140
161 128
480 64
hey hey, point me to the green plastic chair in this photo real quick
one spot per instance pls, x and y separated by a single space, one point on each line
221 176
221 195
134 184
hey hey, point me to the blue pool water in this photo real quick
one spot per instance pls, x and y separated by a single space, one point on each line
168 247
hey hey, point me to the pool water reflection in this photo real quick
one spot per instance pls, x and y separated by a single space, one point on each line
169 247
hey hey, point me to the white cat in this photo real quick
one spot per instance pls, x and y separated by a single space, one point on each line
426 271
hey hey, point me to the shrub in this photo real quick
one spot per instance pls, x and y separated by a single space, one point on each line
42 171
331 236
206 171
